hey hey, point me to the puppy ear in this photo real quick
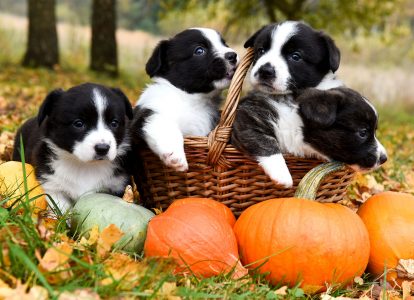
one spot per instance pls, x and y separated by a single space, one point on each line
48 104
252 39
128 107
318 107
157 62
333 52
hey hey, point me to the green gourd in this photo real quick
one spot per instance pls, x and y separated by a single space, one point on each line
103 210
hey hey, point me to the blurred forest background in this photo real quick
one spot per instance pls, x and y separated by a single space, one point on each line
376 37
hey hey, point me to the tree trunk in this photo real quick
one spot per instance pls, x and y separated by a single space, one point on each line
42 48
103 50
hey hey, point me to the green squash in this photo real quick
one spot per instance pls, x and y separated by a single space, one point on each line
103 210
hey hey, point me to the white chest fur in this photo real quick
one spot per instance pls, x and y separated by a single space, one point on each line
288 130
72 178
193 113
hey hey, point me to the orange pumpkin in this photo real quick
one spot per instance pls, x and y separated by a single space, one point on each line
218 206
389 218
299 240
201 242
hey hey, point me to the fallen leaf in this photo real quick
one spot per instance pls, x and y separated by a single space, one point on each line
128 194
54 263
22 292
358 280
121 267
167 290
282 291
84 294
93 237
107 238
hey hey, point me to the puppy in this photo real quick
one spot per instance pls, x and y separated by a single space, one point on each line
290 56
189 72
336 124
78 142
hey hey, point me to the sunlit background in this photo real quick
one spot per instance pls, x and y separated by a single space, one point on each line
376 38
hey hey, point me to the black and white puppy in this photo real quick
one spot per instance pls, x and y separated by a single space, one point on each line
336 124
78 142
189 72
291 55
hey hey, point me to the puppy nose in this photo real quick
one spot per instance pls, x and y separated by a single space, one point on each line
102 148
231 57
267 71
383 158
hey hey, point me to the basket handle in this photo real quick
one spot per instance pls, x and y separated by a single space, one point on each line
219 136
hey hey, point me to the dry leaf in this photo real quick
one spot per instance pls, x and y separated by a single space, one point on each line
46 227
128 194
93 237
406 289
21 292
84 294
167 290
108 237
282 291
122 267
359 280
54 263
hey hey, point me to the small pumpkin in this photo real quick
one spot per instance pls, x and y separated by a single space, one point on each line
389 218
103 209
300 240
12 185
201 241
218 206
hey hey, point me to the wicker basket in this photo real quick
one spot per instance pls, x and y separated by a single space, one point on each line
217 170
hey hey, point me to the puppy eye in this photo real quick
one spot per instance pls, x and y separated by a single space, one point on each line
78 124
199 51
296 56
260 51
363 133
114 123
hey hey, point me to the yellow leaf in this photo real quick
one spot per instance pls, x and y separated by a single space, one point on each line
359 280
93 237
281 291
20 292
406 289
108 237
123 268
84 294
54 263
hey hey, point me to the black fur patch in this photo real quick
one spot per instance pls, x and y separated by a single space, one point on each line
175 60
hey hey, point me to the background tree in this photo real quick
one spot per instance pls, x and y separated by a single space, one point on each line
104 57
42 47
335 16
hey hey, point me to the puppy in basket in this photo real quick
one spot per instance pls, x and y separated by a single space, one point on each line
298 106
189 72
79 142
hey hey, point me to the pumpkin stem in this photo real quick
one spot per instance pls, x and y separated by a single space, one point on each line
309 185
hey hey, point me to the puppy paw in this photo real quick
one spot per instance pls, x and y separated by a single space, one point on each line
275 167
175 161
284 180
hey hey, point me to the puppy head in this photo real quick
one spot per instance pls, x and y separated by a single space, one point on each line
289 56
340 124
88 121
196 60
